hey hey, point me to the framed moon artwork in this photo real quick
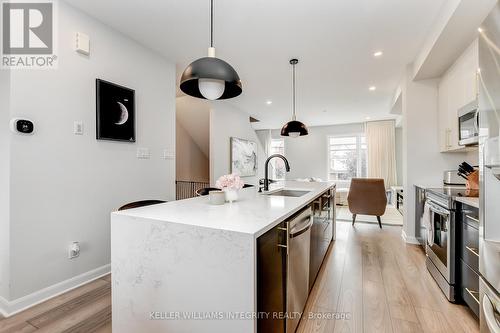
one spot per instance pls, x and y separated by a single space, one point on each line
243 157
115 111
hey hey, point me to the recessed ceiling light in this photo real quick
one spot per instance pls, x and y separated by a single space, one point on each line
269 102
368 118
378 54
372 88
480 29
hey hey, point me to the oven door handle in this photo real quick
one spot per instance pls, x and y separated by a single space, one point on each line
436 209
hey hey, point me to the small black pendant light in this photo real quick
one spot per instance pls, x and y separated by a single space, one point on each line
294 128
210 77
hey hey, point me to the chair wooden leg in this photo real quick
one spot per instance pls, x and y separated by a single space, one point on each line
379 222
353 218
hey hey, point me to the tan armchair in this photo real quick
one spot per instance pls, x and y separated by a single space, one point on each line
367 197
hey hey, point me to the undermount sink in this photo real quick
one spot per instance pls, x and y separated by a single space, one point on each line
289 193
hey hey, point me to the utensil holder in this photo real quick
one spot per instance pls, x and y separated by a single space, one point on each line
473 180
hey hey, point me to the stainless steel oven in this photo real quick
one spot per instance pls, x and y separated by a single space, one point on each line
468 124
441 251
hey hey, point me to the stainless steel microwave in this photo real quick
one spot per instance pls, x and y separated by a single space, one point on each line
468 124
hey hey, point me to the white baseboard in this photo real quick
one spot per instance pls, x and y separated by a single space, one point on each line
9 308
409 239
4 304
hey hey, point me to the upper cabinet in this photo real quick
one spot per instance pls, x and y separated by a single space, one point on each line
457 87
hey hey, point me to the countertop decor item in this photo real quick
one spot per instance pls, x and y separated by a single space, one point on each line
231 195
230 184
210 77
473 180
243 157
115 112
470 174
294 128
216 197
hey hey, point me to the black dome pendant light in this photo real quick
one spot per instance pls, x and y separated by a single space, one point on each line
210 77
294 128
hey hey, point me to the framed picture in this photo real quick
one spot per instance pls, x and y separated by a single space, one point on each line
115 111
243 157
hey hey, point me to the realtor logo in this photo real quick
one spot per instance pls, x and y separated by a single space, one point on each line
28 35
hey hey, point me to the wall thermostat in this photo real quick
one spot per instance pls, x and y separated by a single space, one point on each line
23 126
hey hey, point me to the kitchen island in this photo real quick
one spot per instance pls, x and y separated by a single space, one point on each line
188 266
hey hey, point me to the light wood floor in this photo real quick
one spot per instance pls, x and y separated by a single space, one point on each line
83 310
383 285
370 275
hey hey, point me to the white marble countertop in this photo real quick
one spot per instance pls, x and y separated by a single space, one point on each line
474 202
253 213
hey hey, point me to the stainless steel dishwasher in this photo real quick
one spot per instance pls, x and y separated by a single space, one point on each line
283 255
299 247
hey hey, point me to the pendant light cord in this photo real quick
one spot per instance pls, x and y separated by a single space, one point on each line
293 94
211 23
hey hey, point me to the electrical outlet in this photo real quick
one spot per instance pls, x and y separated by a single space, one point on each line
74 250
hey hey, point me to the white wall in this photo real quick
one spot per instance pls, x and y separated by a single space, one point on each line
64 186
191 163
192 139
194 115
399 155
423 164
228 121
4 183
308 155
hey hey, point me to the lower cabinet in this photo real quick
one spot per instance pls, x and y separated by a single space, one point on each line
469 289
468 249
289 257
271 278
321 232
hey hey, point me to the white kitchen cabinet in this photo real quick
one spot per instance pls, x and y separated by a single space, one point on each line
457 87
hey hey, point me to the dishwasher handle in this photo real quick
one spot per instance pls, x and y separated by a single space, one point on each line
301 228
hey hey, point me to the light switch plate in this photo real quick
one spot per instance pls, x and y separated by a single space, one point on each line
82 43
168 154
78 128
143 153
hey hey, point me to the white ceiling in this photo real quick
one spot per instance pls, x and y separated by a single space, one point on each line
334 41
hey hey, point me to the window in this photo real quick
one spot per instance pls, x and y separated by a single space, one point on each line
277 169
347 157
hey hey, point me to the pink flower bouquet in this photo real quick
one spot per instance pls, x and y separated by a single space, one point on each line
229 182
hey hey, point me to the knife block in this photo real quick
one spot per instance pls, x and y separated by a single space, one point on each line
473 180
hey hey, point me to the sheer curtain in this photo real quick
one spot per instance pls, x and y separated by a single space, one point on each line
381 150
